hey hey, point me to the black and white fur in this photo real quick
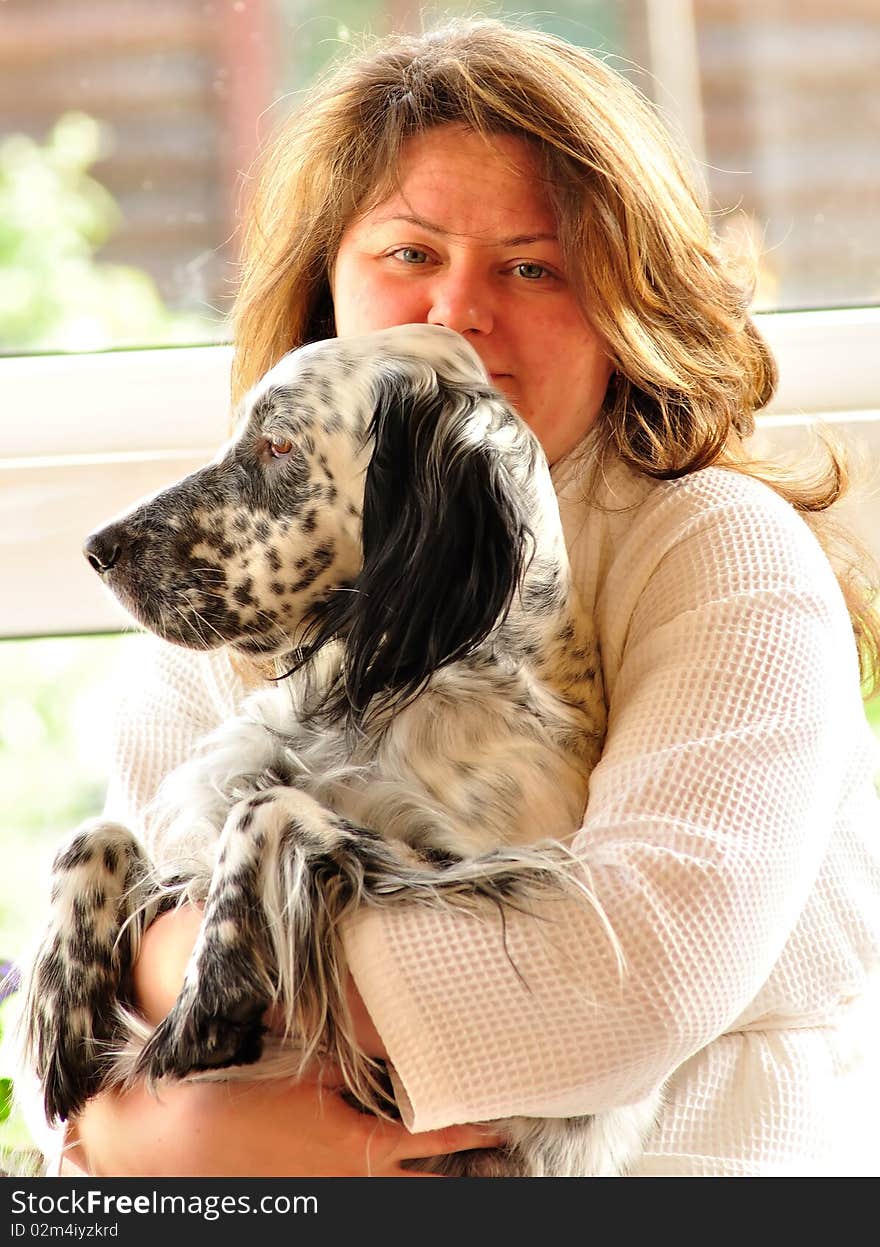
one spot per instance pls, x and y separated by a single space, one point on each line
382 527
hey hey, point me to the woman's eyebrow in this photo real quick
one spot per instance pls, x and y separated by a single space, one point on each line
518 240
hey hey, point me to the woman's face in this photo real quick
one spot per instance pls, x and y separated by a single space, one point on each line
469 241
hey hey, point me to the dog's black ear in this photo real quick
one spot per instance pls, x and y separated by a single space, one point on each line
444 542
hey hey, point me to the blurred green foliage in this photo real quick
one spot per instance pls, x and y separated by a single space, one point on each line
872 710
54 216
18 1155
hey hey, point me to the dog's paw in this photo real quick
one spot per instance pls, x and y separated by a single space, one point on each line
69 1031
196 1036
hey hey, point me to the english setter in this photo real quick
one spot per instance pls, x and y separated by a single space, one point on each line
384 527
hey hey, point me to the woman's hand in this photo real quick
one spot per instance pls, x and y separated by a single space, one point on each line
252 1129
244 1129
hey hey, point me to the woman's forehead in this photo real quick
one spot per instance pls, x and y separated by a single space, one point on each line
453 180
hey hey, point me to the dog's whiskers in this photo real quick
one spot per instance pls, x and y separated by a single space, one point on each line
191 617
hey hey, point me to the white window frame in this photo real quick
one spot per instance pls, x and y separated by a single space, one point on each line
83 436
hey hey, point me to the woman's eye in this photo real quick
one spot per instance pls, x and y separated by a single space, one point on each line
531 270
279 447
411 255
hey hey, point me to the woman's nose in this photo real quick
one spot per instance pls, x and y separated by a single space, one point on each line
462 304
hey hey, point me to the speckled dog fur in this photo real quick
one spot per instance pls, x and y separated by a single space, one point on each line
383 529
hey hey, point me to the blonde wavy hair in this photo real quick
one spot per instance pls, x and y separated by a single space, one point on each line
690 368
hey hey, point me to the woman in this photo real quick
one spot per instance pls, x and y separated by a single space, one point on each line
515 189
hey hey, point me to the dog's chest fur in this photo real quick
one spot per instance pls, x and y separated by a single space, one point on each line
485 756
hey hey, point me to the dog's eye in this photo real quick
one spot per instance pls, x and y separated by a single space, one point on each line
279 447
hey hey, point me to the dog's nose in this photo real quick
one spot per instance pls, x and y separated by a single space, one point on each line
102 550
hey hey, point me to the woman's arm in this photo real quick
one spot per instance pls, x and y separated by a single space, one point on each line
735 725
242 1129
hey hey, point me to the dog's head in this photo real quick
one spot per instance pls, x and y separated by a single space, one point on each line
376 489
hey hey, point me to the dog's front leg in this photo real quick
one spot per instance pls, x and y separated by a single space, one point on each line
288 870
255 935
229 982
102 899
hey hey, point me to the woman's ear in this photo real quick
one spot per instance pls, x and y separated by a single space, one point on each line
444 540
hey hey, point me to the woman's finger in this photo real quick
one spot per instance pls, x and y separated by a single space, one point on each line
441 1142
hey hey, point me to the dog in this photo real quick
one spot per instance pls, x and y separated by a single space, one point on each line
383 529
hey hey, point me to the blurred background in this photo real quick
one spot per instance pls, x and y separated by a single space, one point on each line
127 129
